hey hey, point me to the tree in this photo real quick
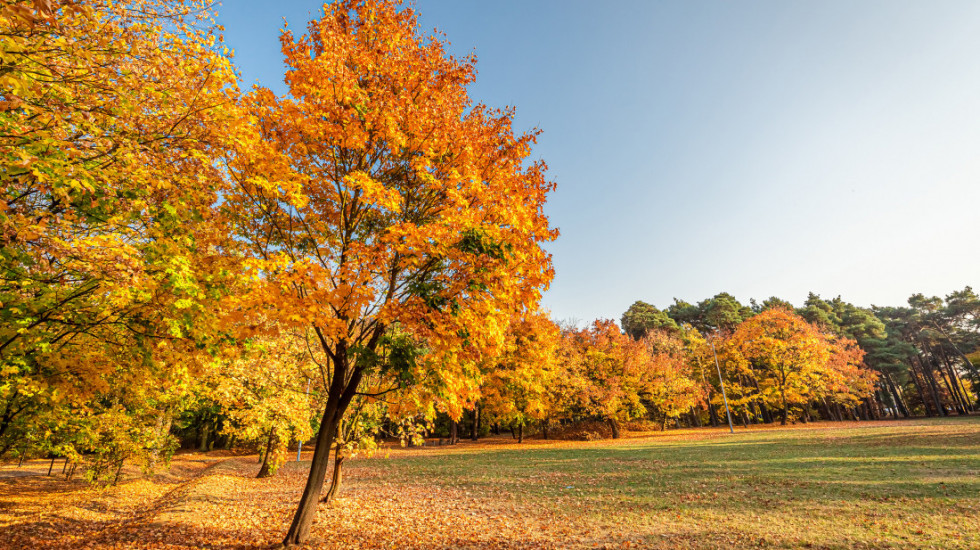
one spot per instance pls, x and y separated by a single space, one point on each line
517 388
610 371
266 394
110 117
719 313
376 196
671 388
783 352
642 317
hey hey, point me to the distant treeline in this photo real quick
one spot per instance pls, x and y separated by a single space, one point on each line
825 360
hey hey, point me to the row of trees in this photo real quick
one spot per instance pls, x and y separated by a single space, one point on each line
920 354
773 365
827 360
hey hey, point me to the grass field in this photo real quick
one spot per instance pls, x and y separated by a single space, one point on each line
908 484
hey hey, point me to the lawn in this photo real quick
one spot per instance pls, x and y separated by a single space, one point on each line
908 484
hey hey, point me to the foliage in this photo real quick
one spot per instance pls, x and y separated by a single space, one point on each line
110 117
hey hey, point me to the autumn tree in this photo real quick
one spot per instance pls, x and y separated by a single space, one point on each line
612 372
781 351
671 388
265 391
517 389
110 117
377 195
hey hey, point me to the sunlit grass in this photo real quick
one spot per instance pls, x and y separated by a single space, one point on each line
898 485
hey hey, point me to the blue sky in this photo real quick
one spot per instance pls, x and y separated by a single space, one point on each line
759 148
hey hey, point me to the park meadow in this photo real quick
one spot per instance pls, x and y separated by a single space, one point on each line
887 484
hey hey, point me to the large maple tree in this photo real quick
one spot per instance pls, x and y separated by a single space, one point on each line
377 197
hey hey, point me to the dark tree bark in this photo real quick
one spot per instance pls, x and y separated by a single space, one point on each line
614 424
343 386
960 389
918 381
520 433
933 385
475 433
336 478
896 397
969 364
695 418
266 469
115 480
713 414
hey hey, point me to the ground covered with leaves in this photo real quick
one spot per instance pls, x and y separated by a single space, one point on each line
908 484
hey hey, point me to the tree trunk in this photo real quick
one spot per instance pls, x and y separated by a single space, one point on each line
336 478
520 433
961 393
973 369
544 428
931 378
713 414
782 393
115 480
918 381
614 425
937 366
51 467
475 434
764 412
453 432
266 469
896 397
343 386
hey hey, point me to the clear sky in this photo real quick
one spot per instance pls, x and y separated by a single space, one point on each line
759 148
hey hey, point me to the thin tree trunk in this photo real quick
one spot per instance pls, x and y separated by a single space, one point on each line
972 367
782 393
520 433
266 469
51 467
896 397
115 480
961 392
475 435
336 478
937 366
614 425
931 378
919 380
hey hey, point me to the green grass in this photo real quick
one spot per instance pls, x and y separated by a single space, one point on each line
881 485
